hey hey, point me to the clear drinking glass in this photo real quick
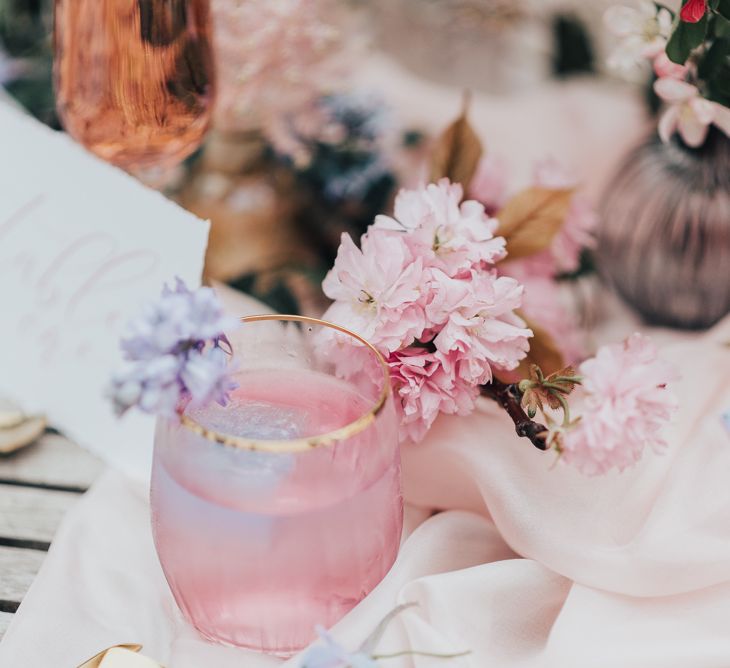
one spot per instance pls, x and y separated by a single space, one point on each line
134 78
283 509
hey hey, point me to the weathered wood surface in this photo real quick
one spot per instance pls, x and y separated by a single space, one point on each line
5 618
29 513
38 485
18 567
53 461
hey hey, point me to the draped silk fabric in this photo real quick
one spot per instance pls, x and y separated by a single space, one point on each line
529 564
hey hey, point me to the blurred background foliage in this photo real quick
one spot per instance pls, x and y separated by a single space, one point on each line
344 183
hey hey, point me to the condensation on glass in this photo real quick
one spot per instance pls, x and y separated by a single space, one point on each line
282 509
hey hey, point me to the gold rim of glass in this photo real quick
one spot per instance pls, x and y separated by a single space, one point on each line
311 442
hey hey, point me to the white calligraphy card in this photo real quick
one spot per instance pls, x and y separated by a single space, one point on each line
82 247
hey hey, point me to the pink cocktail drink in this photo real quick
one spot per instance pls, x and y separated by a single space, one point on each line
292 521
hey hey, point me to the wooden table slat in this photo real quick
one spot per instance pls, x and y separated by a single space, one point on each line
38 485
18 568
27 513
5 619
52 461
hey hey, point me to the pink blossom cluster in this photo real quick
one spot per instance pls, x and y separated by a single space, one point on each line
543 300
424 290
643 32
275 58
627 404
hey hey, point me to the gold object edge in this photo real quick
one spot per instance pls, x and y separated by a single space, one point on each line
312 442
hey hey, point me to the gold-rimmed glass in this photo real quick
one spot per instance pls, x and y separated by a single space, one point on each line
283 509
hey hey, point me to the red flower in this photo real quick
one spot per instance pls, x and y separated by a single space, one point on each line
693 11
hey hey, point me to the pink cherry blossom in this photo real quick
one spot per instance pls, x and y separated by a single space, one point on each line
378 290
627 405
448 234
544 304
576 233
426 386
489 184
580 221
424 290
482 331
688 112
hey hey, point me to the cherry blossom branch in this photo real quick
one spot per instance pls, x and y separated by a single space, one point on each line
509 398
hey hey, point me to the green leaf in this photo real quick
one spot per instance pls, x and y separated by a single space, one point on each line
722 7
715 60
714 70
721 27
684 38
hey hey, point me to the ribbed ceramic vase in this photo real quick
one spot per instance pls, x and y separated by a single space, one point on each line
664 237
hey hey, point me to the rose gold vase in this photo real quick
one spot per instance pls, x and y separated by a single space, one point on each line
134 78
664 237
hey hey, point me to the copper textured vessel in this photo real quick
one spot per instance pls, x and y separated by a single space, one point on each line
664 237
134 78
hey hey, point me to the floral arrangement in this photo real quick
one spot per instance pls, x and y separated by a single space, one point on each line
175 352
625 406
433 287
690 54
423 290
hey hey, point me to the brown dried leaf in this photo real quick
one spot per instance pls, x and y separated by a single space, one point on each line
531 219
558 379
457 151
567 371
552 400
531 402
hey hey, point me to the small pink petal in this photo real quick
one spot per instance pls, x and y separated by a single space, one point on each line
665 68
668 124
673 91
721 117
702 109
693 129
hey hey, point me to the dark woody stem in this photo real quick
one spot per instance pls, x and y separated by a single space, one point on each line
509 398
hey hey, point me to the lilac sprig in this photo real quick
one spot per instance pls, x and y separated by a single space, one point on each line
331 654
175 351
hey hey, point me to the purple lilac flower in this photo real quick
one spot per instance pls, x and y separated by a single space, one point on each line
207 376
330 654
152 385
173 351
180 319
333 655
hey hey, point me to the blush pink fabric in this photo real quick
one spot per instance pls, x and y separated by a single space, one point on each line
529 565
